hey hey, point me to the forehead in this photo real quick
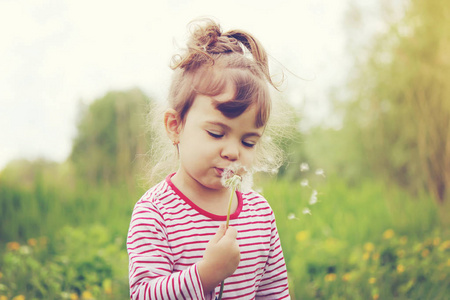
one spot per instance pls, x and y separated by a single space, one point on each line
204 110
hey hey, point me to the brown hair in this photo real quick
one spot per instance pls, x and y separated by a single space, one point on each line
214 59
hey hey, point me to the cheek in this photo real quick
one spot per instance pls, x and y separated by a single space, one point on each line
248 157
195 146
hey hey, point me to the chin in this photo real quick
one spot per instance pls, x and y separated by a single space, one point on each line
213 185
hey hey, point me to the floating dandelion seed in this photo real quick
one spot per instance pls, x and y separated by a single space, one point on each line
313 198
306 211
320 172
304 182
304 167
291 216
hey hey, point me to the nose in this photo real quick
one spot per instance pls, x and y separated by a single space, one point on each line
230 151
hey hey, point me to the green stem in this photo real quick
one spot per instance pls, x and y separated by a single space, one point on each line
233 190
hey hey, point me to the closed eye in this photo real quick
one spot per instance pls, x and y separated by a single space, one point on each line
215 135
248 144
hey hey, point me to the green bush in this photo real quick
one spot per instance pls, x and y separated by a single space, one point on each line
80 263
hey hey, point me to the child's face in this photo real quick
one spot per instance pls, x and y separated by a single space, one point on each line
210 142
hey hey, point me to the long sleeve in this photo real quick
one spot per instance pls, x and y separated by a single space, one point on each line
151 260
274 282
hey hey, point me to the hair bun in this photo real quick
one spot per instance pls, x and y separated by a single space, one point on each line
207 43
206 36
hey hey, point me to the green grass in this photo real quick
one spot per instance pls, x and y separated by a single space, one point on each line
327 252
64 240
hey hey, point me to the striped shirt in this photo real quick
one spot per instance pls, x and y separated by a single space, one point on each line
168 236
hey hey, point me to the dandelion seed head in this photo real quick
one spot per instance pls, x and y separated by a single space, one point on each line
304 182
306 211
237 176
233 181
304 167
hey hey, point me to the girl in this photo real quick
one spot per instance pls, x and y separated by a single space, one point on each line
178 245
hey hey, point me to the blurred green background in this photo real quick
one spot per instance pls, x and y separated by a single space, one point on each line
375 225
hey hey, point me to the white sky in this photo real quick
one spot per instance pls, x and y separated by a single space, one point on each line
54 54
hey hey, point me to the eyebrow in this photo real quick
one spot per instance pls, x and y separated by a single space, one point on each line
226 127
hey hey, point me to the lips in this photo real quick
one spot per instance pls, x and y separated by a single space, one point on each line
219 171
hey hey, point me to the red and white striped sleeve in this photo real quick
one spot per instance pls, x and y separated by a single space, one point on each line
151 261
274 282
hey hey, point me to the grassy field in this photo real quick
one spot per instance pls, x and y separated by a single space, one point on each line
366 241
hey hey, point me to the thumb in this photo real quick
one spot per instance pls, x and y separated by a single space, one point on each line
219 234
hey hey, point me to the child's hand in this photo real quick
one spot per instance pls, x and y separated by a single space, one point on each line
221 258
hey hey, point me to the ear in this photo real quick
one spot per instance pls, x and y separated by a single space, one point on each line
173 124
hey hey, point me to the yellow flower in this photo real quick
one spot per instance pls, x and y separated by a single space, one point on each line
448 262
403 240
3 298
388 234
425 253
74 296
32 242
1 276
330 277
19 297
369 247
346 277
107 286
302 235
375 297
436 241
86 295
366 256
445 245
13 246
372 280
400 269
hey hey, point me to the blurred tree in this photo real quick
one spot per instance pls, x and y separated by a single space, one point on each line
111 133
401 100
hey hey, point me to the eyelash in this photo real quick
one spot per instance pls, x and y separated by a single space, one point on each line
214 135
248 145
218 136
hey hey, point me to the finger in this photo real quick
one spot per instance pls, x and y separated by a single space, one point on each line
219 234
231 233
